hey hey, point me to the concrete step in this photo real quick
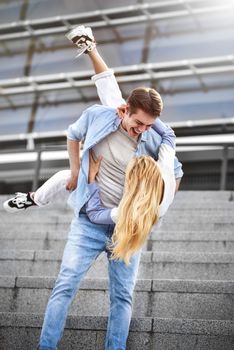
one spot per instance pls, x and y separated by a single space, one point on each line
65 214
195 205
186 235
189 207
158 298
35 227
32 244
191 246
178 265
200 218
202 196
49 212
47 228
183 297
193 201
21 331
197 226
162 235
170 218
201 245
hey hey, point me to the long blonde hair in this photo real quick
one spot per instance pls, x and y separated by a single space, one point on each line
139 207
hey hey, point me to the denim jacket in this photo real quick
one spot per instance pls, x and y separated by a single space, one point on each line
95 123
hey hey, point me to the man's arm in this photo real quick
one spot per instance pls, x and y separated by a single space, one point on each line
75 133
73 147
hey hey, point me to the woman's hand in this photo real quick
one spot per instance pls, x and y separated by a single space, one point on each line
72 182
94 165
122 110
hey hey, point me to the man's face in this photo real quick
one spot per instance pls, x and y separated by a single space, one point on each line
136 123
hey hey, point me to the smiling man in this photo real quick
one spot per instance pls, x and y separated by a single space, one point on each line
117 141
119 147
144 105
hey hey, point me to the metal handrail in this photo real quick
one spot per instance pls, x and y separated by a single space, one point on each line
30 138
224 164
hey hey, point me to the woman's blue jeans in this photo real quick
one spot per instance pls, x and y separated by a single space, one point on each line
85 242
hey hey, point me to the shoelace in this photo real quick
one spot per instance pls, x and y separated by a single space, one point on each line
20 199
83 45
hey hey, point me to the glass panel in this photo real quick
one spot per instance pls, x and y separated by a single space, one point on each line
198 106
66 7
10 11
14 121
52 118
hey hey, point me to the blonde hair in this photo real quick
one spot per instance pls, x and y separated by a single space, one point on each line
139 207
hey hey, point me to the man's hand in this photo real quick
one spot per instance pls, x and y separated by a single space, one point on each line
122 110
94 165
72 182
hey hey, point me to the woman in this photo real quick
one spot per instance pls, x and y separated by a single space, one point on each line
148 192
62 183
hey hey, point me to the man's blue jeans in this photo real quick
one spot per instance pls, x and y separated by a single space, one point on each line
85 242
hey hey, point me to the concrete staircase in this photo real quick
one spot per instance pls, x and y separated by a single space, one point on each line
184 297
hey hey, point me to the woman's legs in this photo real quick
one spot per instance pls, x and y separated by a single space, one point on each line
104 79
110 95
51 190
54 188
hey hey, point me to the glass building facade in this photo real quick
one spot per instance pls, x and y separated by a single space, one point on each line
183 49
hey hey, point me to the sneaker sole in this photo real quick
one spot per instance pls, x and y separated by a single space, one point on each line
11 210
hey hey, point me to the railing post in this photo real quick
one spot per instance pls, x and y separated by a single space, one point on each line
37 171
224 167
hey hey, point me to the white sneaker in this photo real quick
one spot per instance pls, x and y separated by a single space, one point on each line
19 203
83 38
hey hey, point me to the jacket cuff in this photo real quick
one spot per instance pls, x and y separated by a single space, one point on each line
106 73
92 187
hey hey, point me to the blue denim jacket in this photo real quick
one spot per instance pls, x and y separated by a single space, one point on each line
95 124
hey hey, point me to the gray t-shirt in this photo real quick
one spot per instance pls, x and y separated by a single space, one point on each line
166 164
117 149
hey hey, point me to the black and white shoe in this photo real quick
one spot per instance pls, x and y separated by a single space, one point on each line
83 38
19 203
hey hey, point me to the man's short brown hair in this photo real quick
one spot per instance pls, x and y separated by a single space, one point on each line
146 99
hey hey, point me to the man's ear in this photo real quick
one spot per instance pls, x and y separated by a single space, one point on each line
122 110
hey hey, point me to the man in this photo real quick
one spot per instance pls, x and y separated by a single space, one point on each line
117 141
